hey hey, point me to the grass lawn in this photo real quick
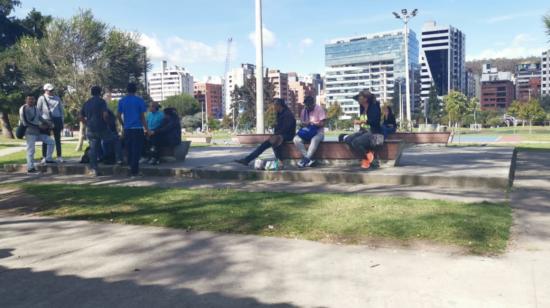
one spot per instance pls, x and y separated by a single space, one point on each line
481 228
19 157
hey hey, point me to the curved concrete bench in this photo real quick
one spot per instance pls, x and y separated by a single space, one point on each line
175 154
334 150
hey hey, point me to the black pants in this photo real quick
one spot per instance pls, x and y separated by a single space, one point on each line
156 143
58 128
262 148
134 145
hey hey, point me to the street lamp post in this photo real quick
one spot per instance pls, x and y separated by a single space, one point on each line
405 16
259 70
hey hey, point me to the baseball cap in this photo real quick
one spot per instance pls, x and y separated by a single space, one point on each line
48 87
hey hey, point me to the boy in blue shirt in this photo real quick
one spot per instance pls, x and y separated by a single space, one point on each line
131 114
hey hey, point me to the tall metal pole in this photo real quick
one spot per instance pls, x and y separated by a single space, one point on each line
260 129
407 72
206 105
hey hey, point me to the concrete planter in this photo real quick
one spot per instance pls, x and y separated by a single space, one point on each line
199 139
252 139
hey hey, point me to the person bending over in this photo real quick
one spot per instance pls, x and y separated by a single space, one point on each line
168 134
285 129
313 122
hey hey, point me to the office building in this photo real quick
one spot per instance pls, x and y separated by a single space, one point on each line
471 84
280 83
236 78
210 96
373 61
497 88
442 59
298 89
169 81
545 73
528 81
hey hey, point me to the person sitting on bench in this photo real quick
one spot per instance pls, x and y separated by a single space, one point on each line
168 134
389 125
285 129
312 121
369 122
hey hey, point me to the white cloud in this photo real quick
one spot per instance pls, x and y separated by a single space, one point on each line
306 42
178 50
269 38
522 45
508 17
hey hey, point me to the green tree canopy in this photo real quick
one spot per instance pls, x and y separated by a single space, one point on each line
185 104
244 99
456 106
434 107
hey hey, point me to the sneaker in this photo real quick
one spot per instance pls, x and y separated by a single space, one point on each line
32 171
367 161
310 163
60 160
242 161
43 161
304 162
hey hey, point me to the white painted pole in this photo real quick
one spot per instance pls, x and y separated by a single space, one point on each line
260 129
407 72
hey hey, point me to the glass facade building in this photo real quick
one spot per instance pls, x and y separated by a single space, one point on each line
374 61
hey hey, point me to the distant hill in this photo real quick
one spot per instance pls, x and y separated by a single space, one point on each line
503 64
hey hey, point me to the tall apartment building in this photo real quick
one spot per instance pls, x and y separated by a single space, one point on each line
280 83
373 61
471 84
497 89
236 78
442 59
298 89
169 81
545 73
528 81
210 95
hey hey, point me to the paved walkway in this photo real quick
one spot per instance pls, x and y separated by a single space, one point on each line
131 266
11 150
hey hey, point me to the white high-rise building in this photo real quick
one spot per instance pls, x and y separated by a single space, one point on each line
236 77
375 62
442 59
545 74
169 81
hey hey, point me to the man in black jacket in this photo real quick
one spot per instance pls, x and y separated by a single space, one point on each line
168 134
285 130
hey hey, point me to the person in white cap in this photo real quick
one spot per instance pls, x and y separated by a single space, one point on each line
51 109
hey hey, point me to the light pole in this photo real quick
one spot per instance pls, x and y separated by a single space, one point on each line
259 70
405 16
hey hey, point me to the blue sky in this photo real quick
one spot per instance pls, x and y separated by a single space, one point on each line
194 33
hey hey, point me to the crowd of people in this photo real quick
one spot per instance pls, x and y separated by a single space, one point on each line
147 130
373 128
144 132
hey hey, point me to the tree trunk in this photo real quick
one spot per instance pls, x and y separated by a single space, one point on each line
6 126
82 132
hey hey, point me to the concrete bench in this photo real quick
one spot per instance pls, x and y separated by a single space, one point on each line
175 154
198 138
334 150
410 138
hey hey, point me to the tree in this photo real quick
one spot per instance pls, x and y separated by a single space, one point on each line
474 108
78 53
192 122
334 113
12 86
434 106
456 106
213 124
546 20
532 111
244 99
185 104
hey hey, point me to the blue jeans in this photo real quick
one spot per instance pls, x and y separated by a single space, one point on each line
95 146
112 147
134 144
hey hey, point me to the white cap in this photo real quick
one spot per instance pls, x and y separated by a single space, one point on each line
48 87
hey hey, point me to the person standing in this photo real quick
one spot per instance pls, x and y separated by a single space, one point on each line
285 130
313 121
131 114
35 125
51 109
94 115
